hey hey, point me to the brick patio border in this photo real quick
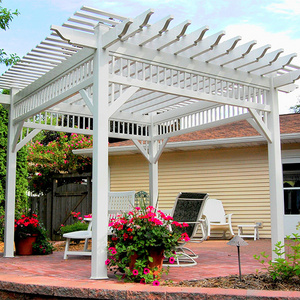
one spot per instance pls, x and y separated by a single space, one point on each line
12 290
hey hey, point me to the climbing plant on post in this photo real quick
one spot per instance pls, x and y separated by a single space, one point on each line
22 174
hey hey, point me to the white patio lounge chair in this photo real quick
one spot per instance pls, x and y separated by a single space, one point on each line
216 219
118 202
188 208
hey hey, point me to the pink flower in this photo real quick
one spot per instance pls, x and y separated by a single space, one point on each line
112 250
156 283
107 261
142 281
135 272
171 260
146 271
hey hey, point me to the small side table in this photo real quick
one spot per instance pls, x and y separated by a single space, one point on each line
255 227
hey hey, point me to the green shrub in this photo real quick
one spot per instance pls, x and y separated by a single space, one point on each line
74 227
42 245
283 268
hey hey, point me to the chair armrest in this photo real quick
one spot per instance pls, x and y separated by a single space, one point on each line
228 216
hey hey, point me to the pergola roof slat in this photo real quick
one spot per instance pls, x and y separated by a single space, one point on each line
236 54
219 50
204 45
170 36
26 74
277 65
96 18
47 53
267 60
103 13
81 28
189 40
53 49
25 69
249 58
151 32
83 22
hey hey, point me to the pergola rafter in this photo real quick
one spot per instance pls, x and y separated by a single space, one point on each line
112 76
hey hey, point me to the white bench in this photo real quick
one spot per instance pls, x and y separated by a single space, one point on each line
255 234
118 202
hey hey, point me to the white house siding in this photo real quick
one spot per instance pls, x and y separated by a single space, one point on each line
237 176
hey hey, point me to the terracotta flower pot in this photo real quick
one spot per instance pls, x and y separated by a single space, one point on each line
157 254
24 246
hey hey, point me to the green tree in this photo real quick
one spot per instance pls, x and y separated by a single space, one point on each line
6 16
296 108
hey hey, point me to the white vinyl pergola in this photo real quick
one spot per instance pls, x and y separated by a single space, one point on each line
126 78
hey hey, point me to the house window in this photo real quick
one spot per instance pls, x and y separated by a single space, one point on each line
291 187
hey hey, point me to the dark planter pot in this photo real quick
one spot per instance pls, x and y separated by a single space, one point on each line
24 246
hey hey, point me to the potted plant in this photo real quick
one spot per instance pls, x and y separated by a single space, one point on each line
140 240
30 236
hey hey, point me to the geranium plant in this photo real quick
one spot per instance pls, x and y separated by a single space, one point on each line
30 226
27 226
135 236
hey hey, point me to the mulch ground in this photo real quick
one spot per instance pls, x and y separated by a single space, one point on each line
251 281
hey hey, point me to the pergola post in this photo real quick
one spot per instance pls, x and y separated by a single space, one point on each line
10 190
275 173
153 183
100 162
153 166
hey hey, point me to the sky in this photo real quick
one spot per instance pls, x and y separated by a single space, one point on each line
274 22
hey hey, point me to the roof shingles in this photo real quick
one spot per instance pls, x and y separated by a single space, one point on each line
289 123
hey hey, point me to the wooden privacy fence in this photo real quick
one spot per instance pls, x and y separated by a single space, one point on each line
69 193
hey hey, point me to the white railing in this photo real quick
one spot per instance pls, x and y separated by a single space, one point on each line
183 79
56 88
130 130
200 118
